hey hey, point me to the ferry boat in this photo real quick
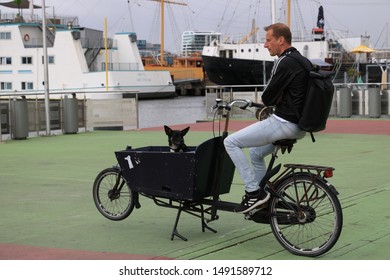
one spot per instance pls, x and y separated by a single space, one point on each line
79 59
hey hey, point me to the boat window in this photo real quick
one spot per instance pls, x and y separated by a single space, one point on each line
257 49
5 35
26 59
5 86
50 59
27 86
5 60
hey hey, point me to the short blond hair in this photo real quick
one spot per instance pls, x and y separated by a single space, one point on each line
280 30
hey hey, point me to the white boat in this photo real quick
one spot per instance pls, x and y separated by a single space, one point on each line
231 63
250 64
77 59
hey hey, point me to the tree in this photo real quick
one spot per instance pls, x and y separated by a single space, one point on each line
18 3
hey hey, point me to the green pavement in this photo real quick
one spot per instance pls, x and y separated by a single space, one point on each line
46 200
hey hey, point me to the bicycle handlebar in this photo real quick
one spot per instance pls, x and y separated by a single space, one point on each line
229 105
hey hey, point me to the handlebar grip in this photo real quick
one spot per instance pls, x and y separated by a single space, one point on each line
257 105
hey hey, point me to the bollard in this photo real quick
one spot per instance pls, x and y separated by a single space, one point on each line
70 113
374 102
19 119
345 102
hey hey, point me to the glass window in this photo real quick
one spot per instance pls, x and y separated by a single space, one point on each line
27 86
5 60
26 60
5 35
5 86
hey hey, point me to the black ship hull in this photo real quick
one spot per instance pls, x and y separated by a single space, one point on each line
234 71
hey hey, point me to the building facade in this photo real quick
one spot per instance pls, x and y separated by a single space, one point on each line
194 41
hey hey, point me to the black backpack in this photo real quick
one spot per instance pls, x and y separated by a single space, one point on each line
318 100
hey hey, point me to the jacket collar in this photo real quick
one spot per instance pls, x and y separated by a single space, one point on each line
288 51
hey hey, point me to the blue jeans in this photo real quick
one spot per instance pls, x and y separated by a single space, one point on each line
259 137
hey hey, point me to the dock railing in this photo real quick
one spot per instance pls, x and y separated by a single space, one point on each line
349 100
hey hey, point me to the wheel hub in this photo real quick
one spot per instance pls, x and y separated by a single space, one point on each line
113 195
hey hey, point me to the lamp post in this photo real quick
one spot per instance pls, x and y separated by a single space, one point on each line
45 70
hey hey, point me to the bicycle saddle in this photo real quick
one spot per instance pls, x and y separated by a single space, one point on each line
285 144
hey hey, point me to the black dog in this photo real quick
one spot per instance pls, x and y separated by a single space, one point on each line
176 139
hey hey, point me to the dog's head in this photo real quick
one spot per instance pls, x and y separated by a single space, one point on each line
176 138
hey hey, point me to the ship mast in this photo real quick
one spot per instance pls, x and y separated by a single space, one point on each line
288 13
162 27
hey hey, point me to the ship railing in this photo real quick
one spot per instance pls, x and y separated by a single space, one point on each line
119 66
92 53
35 18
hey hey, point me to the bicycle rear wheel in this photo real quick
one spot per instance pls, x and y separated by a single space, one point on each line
112 196
309 220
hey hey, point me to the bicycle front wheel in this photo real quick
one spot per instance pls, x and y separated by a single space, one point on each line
112 196
307 218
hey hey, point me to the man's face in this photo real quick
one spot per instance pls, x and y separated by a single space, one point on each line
272 43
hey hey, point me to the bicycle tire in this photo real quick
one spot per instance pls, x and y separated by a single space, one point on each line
316 227
114 207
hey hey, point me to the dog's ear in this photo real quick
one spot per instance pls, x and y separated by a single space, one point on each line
184 131
168 130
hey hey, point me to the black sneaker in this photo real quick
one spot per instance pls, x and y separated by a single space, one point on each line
252 200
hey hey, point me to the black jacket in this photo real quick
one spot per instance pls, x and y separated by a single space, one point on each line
287 85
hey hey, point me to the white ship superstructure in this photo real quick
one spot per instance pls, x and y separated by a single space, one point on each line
76 60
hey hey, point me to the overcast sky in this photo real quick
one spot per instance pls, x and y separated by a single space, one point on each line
230 17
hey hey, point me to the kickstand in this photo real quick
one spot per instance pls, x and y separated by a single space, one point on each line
201 216
204 224
174 231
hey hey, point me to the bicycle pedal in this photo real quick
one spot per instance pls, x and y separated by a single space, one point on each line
247 217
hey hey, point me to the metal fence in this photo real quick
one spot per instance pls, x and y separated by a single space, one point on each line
354 99
36 114
92 113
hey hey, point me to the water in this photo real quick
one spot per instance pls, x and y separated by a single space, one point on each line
179 110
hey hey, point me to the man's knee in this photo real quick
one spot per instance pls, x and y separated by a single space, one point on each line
227 142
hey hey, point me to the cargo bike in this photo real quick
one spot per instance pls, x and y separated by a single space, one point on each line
304 212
